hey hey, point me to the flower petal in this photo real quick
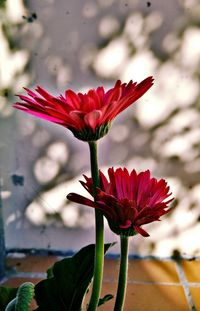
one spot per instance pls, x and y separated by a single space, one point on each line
127 224
42 115
86 115
78 119
92 119
72 99
74 197
119 205
113 94
141 231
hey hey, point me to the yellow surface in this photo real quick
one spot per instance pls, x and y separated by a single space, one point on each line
149 298
153 285
195 292
192 270
144 270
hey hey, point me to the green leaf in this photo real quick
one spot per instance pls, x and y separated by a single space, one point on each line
6 295
68 282
105 299
50 273
2 5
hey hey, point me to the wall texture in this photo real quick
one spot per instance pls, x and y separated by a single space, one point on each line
83 44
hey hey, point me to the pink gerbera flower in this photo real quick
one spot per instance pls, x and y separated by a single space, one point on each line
128 201
89 115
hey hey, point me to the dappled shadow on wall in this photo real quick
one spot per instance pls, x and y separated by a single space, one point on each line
161 132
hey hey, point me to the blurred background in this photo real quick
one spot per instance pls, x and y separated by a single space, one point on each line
80 45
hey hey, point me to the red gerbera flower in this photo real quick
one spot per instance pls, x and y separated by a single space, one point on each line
128 201
89 115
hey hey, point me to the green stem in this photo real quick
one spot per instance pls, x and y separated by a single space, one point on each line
99 250
122 280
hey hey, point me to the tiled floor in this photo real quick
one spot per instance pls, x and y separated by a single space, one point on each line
153 285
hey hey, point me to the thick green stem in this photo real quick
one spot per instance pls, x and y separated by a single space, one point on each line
99 250
122 280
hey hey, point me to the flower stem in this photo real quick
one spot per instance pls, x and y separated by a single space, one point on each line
99 250
122 280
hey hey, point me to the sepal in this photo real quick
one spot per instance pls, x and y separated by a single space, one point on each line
87 134
115 227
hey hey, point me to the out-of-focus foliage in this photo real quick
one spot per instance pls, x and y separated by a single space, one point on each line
6 294
2 3
13 58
